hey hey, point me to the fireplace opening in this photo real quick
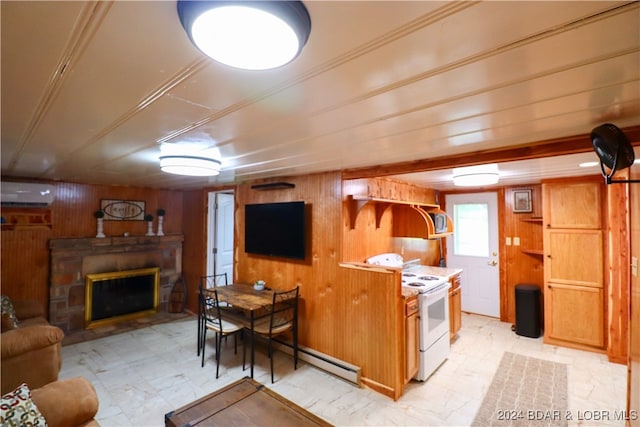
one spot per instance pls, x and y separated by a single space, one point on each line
121 295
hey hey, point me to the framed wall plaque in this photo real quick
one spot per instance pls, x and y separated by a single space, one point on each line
522 201
122 210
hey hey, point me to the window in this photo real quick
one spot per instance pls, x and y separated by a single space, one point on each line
472 229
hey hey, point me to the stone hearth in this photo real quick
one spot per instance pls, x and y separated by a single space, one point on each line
73 259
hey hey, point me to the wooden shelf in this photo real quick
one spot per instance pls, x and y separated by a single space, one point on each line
532 219
273 186
537 252
356 203
401 202
418 223
27 218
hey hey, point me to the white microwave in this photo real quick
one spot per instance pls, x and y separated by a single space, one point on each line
439 222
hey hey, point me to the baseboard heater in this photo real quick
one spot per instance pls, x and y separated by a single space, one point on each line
325 362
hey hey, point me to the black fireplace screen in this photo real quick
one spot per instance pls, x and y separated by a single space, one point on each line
115 296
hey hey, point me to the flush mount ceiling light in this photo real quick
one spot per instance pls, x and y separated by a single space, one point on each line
476 176
252 35
190 165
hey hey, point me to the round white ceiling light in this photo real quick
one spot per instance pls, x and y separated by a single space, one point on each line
251 35
190 165
476 176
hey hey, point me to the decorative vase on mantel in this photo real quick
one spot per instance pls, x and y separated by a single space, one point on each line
99 215
149 219
160 221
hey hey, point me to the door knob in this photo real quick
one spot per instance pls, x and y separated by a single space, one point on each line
493 263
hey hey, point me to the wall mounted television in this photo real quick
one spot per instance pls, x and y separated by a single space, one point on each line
275 229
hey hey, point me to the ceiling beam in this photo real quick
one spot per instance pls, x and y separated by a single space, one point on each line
548 148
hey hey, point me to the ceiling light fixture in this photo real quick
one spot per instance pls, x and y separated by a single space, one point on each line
190 165
252 35
476 176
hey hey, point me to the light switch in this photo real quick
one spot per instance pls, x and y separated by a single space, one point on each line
516 241
508 241
634 266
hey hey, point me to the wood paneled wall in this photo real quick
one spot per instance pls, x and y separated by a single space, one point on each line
350 314
520 264
385 188
25 252
633 392
366 239
371 330
617 271
194 251
317 275
25 264
371 236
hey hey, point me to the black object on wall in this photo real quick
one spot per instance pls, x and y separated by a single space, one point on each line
276 229
273 186
614 151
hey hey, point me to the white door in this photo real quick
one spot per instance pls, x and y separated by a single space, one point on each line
220 238
474 248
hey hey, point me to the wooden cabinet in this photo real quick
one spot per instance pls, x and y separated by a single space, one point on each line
573 264
411 338
411 220
455 306
575 314
574 257
572 205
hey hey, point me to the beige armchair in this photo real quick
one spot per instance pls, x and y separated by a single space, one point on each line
67 403
31 351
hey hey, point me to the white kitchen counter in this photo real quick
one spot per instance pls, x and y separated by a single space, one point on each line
436 271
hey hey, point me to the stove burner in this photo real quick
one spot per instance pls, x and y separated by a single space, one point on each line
428 278
408 275
416 284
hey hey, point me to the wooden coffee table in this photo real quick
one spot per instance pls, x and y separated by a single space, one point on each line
244 402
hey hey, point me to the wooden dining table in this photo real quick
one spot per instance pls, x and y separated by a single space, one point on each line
254 302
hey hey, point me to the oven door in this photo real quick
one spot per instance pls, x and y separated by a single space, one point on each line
434 316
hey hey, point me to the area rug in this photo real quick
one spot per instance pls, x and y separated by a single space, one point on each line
525 391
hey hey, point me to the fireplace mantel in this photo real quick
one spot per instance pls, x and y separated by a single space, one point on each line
113 244
72 259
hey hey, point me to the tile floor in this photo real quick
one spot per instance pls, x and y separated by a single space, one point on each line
142 374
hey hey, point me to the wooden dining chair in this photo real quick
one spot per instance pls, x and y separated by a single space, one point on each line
215 321
208 282
282 317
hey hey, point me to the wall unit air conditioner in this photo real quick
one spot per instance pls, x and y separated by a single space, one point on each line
26 194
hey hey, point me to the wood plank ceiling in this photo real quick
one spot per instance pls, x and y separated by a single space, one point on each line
92 91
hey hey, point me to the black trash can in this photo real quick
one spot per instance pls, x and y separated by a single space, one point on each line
528 311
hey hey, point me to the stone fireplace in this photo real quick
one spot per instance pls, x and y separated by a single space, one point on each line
72 260
120 295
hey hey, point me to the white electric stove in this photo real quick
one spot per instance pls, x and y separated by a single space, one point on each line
433 309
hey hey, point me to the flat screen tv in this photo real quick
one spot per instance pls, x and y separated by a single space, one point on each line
275 229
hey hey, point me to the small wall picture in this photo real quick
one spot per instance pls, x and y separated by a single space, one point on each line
122 210
522 201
